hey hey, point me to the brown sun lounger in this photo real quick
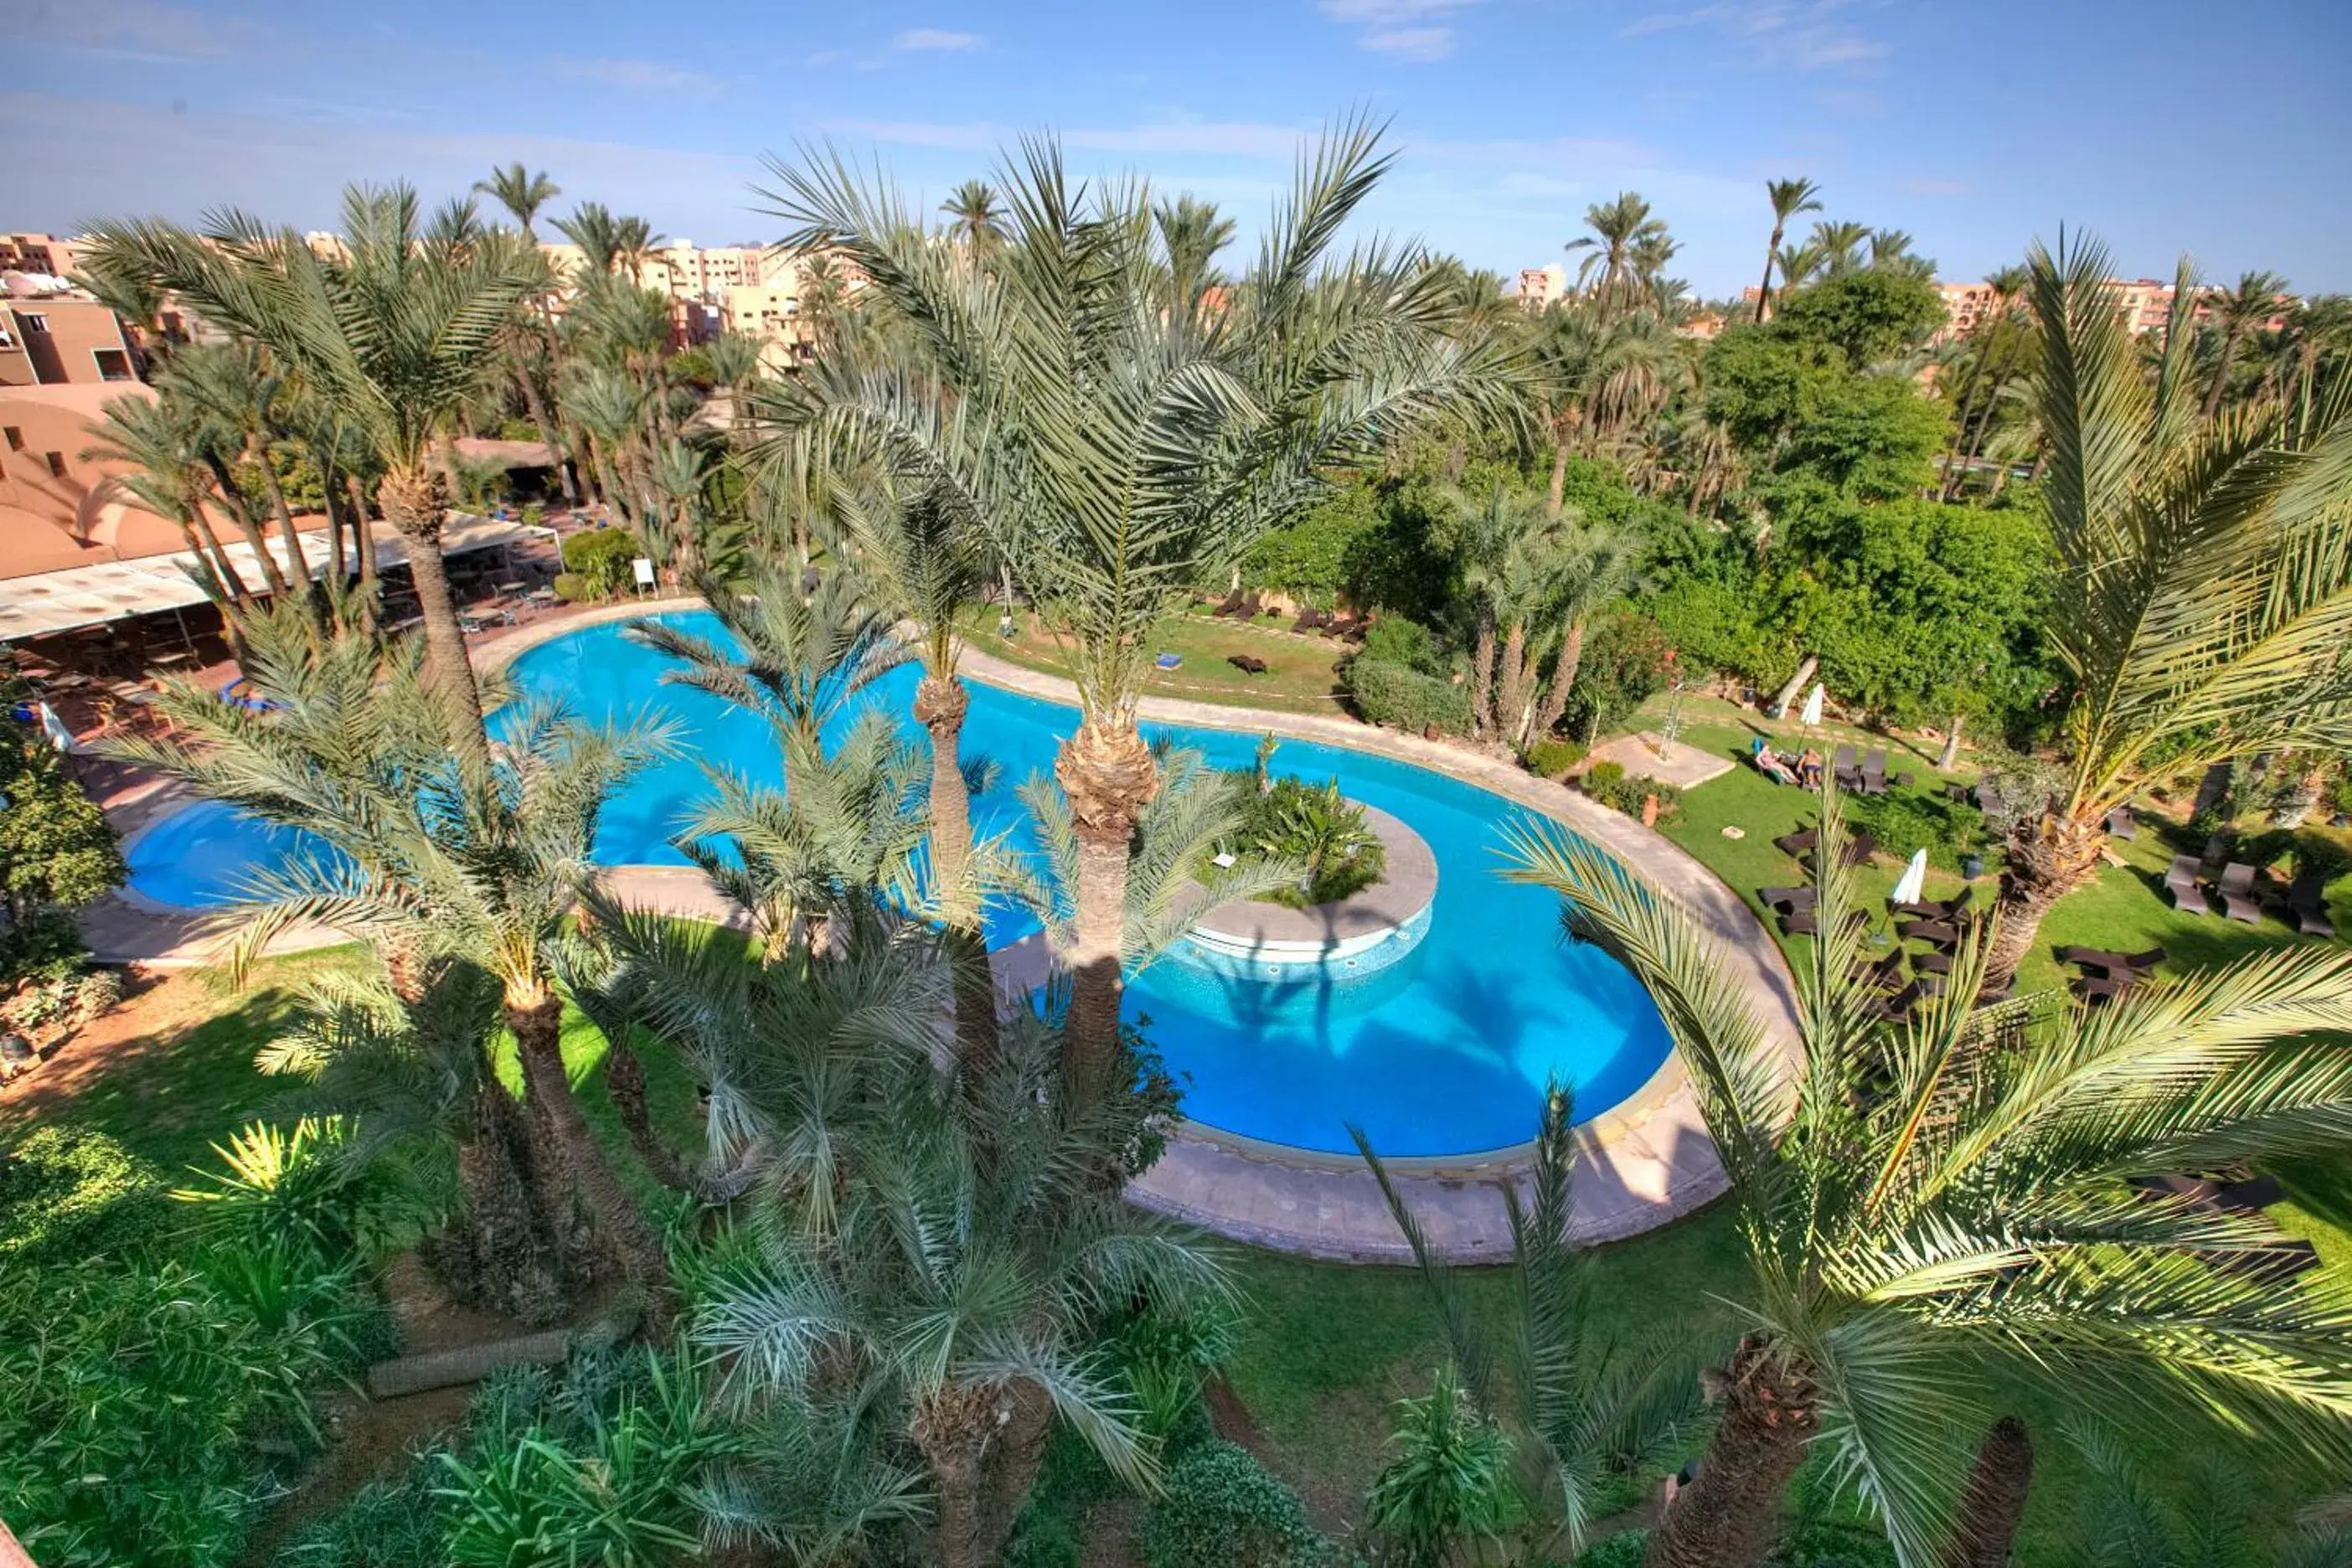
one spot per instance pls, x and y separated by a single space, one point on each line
1798 898
2135 964
1936 932
1247 664
2122 825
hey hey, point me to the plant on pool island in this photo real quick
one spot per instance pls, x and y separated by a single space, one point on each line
2208 577
439 853
1922 1202
1590 1413
597 561
1117 451
1316 829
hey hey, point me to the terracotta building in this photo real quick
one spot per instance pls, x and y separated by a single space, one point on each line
56 508
60 338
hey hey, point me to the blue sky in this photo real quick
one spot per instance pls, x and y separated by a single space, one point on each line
2162 125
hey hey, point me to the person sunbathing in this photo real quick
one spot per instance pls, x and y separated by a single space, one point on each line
1775 766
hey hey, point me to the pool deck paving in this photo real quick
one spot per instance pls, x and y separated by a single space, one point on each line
1641 1163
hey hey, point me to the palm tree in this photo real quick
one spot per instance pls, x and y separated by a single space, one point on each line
1620 229
1789 197
592 227
1591 1409
163 440
521 193
421 1069
2208 580
1192 232
975 221
1511 550
1841 245
239 395
1800 263
396 337
1924 1201
434 851
1596 569
1985 337
960 1275
1198 809
2254 300
1115 454
1890 251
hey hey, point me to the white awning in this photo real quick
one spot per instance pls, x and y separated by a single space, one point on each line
68 600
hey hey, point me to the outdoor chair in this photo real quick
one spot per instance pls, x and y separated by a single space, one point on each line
2189 897
1936 962
2122 825
2186 870
1846 767
2303 905
1796 843
2278 1264
2137 964
2237 891
1933 909
1896 1009
2093 990
1233 602
1884 974
1790 897
1307 621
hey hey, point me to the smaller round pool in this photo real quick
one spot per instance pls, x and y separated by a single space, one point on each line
208 854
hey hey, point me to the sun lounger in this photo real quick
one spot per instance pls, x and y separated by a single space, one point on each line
1796 843
2237 891
1936 931
2094 990
1936 962
1788 897
1884 974
1231 605
2121 824
2279 1263
2187 870
1307 621
1846 767
2135 964
2250 1196
2187 897
1247 664
1896 1009
1933 909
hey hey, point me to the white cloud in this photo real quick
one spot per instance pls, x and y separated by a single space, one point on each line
1411 42
1386 27
641 76
937 39
1778 35
145 30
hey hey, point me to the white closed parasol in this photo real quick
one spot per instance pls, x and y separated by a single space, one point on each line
1813 713
1913 881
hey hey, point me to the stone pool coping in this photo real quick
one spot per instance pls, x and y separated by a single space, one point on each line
1644 1163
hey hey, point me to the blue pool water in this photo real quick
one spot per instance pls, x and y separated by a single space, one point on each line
1446 1053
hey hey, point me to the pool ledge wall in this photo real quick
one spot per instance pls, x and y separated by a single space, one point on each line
1641 1163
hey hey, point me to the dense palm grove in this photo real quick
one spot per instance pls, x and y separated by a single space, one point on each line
877 1299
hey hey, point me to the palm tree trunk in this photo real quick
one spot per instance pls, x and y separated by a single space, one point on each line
625 1081
1950 754
1725 1518
1564 677
2221 370
940 703
411 503
951 1430
254 540
1772 252
1511 693
1110 776
1960 407
296 562
1555 498
538 1029
1994 1503
536 406
1482 676
1015 1456
205 537
493 1255
363 535
2048 858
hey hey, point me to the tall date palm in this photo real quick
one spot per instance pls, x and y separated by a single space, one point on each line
397 337
1922 1202
1789 197
1114 452
2208 566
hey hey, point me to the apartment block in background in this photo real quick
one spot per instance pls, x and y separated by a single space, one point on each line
55 340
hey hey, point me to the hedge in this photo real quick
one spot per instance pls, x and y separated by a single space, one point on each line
1405 699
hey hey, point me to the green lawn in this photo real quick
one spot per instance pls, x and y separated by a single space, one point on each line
1302 672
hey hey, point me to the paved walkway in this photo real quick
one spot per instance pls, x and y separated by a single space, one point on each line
1644 1163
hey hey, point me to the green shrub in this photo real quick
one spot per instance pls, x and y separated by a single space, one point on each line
571 588
387 1524
2326 850
67 1194
1224 1510
303 1187
147 1407
1405 699
601 559
1609 783
1043 1540
1398 639
1623 1550
1551 757
1905 821
1323 832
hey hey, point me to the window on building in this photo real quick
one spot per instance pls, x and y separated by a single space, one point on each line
114 365
33 323
15 439
57 465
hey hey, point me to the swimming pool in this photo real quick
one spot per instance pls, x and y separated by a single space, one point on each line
1446 1053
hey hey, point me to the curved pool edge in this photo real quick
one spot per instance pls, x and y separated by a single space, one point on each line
1644 1163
